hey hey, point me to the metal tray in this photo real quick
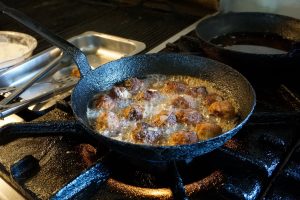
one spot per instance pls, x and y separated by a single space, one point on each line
99 48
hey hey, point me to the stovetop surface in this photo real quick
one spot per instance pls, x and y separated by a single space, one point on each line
40 157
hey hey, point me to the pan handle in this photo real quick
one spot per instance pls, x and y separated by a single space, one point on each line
68 48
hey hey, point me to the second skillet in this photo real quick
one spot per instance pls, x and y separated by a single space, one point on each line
104 77
252 28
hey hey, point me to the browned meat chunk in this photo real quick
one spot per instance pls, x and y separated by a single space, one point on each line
107 120
144 133
147 95
211 98
133 85
105 102
183 137
174 86
134 112
164 118
181 102
189 116
198 91
119 92
206 130
223 109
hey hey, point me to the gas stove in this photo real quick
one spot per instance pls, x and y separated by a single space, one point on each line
51 156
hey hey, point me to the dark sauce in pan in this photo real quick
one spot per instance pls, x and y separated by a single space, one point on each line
258 43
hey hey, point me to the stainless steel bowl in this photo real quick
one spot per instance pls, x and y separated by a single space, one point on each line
25 43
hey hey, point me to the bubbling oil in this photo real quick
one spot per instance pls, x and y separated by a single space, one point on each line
163 102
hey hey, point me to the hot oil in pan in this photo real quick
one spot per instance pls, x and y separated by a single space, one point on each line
258 43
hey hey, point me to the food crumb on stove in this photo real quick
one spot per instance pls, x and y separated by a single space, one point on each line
75 73
88 154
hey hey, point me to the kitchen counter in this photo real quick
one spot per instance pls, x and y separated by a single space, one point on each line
72 17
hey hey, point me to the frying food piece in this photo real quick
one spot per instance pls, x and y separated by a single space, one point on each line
120 92
133 85
75 73
134 112
183 137
164 118
147 95
188 116
206 130
181 102
198 91
145 133
211 98
107 120
223 109
104 101
174 86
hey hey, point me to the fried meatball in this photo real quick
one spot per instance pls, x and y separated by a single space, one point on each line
164 118
145 133
174 86
133 85
198 91
188 116
147 95
119 92
181 102
206 130
134 112
107 120
223 109
104 101
182 137
211 98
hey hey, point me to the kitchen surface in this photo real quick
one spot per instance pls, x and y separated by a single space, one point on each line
45 153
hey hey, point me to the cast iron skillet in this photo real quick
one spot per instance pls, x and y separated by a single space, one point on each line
104 77
251 22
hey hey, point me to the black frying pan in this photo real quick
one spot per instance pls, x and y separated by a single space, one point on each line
252 23
104 77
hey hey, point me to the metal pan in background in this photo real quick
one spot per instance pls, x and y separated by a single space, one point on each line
100 48
103 78
261 44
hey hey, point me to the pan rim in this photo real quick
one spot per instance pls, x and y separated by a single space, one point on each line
161 147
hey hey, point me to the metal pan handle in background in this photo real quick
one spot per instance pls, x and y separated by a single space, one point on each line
68 48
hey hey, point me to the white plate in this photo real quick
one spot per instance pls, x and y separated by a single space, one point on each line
16 38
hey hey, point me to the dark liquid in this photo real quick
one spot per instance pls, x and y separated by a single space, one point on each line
258 43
